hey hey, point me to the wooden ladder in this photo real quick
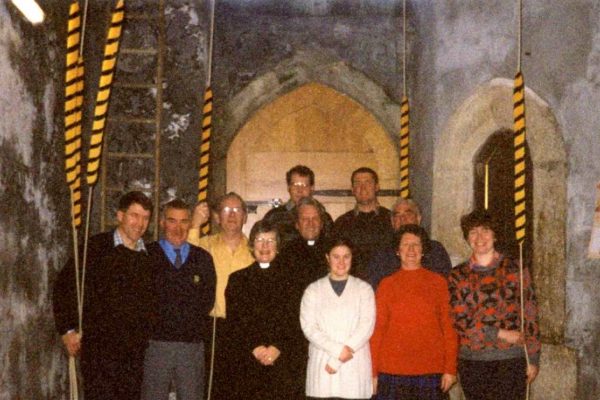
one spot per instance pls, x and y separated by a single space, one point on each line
131 160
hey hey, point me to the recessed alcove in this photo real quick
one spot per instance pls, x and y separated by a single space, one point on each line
486 111
313 125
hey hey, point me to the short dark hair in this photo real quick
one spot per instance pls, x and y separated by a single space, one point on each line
301 170
231 195
177 204
478 218
263 226
363 170
310 201
416 230
134 197
336 241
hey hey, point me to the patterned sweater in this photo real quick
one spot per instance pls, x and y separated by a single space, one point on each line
487 299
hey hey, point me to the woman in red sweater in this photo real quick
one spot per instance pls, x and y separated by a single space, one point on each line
414 346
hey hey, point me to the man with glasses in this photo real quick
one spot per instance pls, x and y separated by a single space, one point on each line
301 184
230 252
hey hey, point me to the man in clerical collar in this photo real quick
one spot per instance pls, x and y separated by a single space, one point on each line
368 225
118 293
302 262
184 292
305 255
300 184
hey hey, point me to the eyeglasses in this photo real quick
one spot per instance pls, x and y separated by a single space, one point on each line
232 210
268 241
299 184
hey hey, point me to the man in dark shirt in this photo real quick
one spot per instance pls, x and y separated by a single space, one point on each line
117 295
368 225
184 293
385 261
301 183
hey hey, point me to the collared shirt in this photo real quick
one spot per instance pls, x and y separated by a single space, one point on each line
289 205
169 250
118 240
358 211
226 262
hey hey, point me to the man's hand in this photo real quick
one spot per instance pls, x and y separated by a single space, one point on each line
201 215
72 342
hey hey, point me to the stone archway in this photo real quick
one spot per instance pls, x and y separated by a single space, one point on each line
313 125
486 111
310 65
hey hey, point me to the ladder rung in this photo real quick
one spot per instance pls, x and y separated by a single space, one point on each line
130 85
129 155
132 120
140 51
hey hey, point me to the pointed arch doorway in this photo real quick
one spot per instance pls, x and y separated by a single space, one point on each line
493 190
466 136
316 126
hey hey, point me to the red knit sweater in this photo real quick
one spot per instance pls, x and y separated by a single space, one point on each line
413 331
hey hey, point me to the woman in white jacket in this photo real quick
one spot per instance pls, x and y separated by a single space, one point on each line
337 315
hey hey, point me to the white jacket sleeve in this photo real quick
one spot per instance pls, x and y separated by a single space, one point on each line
310 326
360 337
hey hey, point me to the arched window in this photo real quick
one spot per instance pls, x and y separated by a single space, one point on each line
498 154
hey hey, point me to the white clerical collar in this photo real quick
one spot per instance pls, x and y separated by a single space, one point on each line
264 265
311 242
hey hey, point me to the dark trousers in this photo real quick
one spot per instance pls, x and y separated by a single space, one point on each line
410 387
493 380
180 363
114 374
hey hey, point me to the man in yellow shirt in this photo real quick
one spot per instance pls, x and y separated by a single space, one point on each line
230 252
228 247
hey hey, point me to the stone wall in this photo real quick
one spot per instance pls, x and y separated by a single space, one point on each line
267 48
465 46
33 216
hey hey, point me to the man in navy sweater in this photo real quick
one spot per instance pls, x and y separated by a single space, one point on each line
118 290
386 261
184 293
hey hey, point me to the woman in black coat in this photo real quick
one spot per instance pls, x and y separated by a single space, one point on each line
262 359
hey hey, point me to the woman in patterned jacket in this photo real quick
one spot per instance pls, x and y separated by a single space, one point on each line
497 357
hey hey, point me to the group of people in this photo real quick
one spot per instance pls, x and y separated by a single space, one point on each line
366 306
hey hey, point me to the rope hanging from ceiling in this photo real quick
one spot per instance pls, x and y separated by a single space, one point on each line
205 135
519 142
74 99
404 120
73 108
204 169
